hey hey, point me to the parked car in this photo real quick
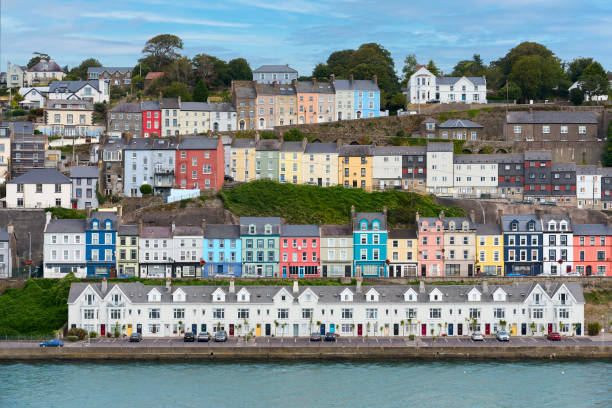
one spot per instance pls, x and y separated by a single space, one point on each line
204 336
553 336
330 336
189 337
477 336
135 338
502 336
220 336
315 337
52 343
228 178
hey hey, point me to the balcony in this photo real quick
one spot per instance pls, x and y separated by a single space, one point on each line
163 171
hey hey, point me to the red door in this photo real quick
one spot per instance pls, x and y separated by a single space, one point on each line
424 329
549 327
459 329
231 329
102 330
487 328
359 329
74 205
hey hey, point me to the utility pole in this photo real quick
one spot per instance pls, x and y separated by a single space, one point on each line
30 257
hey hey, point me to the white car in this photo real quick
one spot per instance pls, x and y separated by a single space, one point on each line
477 336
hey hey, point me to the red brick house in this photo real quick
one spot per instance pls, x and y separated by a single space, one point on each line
300 251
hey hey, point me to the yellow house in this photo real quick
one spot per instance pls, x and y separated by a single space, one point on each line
127 250
355 166
489 250
402 253
320 164
242 160
290 166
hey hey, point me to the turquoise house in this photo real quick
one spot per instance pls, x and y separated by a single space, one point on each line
260 246
222 251
369 243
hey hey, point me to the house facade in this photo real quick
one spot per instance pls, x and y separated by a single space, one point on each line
593 249
460 129
369 243
199 163
269 74
5 152
522 245
260 246
101 242
430 235
14 75
267 154
64 248
90 91
149 161
116 76
424 87
151 119
356 99
440 177
125 118
39 188
290 163
402 253
336 251
320 164
459 246
243 159
244 98
127 251
155 251
300 251
564 126
42 73
558 248
70 118
222 250
187 256
355 164
84 186
8 245
489 250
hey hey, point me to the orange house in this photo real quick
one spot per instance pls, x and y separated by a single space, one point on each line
315 101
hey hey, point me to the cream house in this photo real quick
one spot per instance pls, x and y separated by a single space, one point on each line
39 188
68 117
320 164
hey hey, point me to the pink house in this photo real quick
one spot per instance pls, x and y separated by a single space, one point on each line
300 251
430 234
593 249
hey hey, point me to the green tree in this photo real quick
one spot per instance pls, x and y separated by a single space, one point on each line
80 73
594 80
200 92
100 109
576 67
321 71
524 49
339 63
146 189
527 74
212 70
576 96
473 67
175 90
161 50
179 70
141 69
606 157
37 57
396 102
410 64
240 70
431 67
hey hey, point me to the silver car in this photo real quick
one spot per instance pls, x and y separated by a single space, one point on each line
477 336
220 336
502 336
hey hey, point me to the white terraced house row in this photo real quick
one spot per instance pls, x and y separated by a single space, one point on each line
391 310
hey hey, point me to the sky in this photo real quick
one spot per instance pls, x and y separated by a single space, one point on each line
302 33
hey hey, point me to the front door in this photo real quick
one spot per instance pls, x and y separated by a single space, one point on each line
268 329
550 327
523 329
423 270
231 333
470 270
487 328
578 329
459 329
296 330
325 271
139 328
320 182
301 271
450 329
332 328
322 329
396 329
102 330
129 330
258 330
424 329
360 329
74 205
194 328
347 271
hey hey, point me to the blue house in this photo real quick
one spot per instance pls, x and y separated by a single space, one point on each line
100 243
522 244
222 250
366 94
369 243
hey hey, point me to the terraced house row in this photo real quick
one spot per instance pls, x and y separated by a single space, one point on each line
518 245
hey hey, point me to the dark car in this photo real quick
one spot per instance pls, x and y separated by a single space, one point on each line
204 336
553 336
315 337
330 336
135 338
52 343
189 337
220 336
228 178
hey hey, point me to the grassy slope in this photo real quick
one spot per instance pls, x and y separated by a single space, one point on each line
305 204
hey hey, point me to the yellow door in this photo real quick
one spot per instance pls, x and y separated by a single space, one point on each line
513 331
129 331
386 330
258 332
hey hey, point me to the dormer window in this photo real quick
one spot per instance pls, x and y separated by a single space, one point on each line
346 297
371 297
363 226
375 225
283 297
243 297
251 229
563 226
514 225
108 225
465 226
116 298
94 225
219 298
451 226
531 226
268 229
552 226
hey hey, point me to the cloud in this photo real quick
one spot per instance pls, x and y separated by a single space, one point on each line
160 18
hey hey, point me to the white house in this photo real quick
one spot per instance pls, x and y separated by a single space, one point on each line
7 245
187 247
84 186
93 91
587 98
475 175
558 244
353 311
387 168
64 248
281 74
440 169
43 73
39 188
34 97
155 251
424 87
14 75
588 186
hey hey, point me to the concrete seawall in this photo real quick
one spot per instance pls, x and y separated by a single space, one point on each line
322 353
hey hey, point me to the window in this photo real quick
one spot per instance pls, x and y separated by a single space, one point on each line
179 313
306 313
154 313
347 313
219 313
283 313
371 313
435 313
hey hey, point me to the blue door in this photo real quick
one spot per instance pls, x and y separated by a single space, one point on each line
194 328
579 329
301 271
284 271
450 329
323 329
332 328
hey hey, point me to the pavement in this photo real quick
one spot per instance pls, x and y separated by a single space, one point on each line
341 341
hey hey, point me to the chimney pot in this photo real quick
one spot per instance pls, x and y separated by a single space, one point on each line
232 287
48 217
104 285
296 287
421 286
168 284
358 288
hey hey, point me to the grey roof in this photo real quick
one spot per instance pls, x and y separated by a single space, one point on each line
4 235
110 70
318 87
538 155
606 171
459 123
275 89
370 216
113 144
511 158
563 166
292 147
198 143
396 151
245 90
321 148
71 86
300 231
84 172
402 234
132 107
69 104
151 144
488 229
454 80
546 218
356 150
355 85
243 143
458 221
522 219
188 230
170 103
592 229
128 229
156 231
440 147
260 223
429 119
149 105
476 158
588 170
336 231
104 215
275 68
137 292
60 226
207 107
222 231
414 150
547 117
41 176
269 144
46 66
20 127
221 107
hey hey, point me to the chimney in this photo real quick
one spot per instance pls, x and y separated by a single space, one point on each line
531 111
472 215
168 284
160 96
140 226
104 286
314 82
120 211
304 143
441 215
351 80
500 215
352 212
88 212
179 101
609 221
358 288
48 218
538 213
385 212
232 287
204 226
417 217
375 80
256 136
11 230
294 83
296 287
332 78
339 143
485 286
421 286
547 286
173 227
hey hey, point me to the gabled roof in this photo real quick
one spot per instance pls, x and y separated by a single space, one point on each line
275 68
207 107
41 176
72 86
558 218
356 85
149 105
66 226
538 155
84 172
370 216
260 223
269 145
170 103
46 66
243 143
563 167
402 234
548 117
460 123
453 80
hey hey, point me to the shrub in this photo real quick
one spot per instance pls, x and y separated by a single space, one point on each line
18 112
146 189
473 113
266 134
411 337
72 338
594 328
93 334
79 333
400 133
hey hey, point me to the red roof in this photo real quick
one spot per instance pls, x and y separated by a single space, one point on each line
153 75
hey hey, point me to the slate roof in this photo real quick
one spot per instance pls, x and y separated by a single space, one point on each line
588 170
151 144
170 103
71 86
198 143
61 226
402 234
592 229
242 143
4 235
222 231
446 220
440 147
370 216
476 158
149 105
20 128
207 107
488 229
319 87
397 150
546 218
453 80
547 117
41 176
275 68
128 229
187 230
269 144
244 90
103 215
537 155
336 231
156 231
313 148
522 219
46 66
84 172
291 147
563 167
132 107
356 85
300 231
517 293
511 158
69 104
260 223
460 123
111 70
356 150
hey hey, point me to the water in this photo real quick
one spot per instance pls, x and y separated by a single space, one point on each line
254 385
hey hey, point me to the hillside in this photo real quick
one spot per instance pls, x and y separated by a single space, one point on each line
305 204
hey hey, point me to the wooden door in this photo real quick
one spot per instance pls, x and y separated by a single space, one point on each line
360 329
